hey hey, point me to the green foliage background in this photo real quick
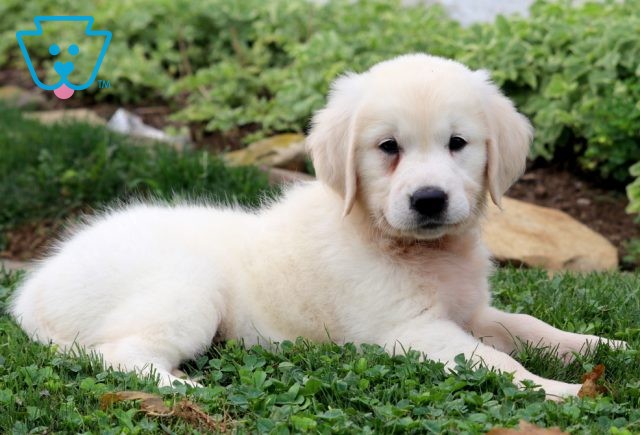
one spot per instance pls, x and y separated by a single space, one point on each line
267 64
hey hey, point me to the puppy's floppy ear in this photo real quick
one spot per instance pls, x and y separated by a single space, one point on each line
510 135
331 141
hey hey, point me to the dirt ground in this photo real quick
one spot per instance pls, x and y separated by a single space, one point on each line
600 209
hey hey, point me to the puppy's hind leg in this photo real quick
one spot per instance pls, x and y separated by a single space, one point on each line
167 319
145 356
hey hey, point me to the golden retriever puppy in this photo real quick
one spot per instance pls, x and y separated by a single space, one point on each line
384 248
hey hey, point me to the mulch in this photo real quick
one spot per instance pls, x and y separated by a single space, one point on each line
601 209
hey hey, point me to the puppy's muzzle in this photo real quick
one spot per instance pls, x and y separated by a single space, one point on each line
430 202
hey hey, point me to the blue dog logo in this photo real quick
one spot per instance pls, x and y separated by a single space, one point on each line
63 88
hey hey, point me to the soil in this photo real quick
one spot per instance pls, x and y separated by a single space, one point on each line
600 209
31 240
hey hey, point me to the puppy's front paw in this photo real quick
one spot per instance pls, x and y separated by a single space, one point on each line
558 391
583 343
616 344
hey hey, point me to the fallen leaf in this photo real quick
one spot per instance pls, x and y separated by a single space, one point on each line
150 403
154 406
589 387
526 428
192 413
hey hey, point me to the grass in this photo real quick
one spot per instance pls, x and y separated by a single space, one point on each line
54 172
327 388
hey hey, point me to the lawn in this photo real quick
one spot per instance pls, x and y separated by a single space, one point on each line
49 173
329 388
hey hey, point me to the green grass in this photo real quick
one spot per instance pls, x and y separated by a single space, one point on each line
53 172
327 388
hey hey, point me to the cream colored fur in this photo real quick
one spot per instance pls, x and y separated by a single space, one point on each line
343 257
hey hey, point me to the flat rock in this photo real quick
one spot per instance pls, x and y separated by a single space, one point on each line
21 98
130 124
285 151
285 176
75 115
538 236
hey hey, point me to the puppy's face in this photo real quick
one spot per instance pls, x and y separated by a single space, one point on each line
417 141
420 153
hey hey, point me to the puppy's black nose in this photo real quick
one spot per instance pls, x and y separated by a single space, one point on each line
429 201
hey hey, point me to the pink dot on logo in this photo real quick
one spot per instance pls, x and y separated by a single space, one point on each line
63 92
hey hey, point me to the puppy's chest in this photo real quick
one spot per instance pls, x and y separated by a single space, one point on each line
449 285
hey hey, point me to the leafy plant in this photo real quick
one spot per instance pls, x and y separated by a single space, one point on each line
632 247
633 190
575 72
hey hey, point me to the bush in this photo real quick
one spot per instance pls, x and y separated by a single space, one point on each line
575 73
633 190
267 65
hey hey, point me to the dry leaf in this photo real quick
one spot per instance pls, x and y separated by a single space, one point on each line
192 413
153 405
589 387
528 429
150 403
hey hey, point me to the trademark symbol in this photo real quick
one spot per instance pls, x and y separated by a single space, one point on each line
104 84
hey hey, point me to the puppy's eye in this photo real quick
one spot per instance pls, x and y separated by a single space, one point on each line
456 143
389 146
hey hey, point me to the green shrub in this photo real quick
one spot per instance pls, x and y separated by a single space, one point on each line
632 249
633 190
267 64
235 63
575 72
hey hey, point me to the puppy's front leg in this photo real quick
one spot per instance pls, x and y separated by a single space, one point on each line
500 329
442 340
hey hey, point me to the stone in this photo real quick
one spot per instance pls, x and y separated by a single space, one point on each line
285 176
22 98
583 202
130 124
64 115
285 151
537 236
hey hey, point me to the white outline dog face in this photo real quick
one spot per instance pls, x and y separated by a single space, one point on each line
413 124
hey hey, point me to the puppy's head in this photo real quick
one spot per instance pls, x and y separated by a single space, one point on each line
417 141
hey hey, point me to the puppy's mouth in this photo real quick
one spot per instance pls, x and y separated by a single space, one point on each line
432 225
425 230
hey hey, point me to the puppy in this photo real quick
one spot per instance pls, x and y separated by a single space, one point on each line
384 248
